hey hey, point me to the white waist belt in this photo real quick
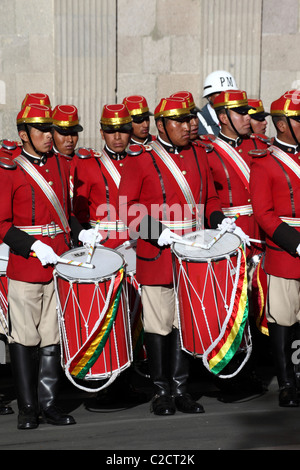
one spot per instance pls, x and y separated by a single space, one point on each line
116 225
179 224
242 210
48 230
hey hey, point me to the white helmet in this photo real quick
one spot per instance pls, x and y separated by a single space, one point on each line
218 81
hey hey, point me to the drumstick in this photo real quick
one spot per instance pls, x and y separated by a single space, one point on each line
254 240
70 262
208 245
92 246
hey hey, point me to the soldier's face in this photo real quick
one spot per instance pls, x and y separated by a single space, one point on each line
178 132
296 128
41 140
65 143
140 130
115 140
241 122
259 127
194 128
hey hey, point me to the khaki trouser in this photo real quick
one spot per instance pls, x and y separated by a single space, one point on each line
159 309
283 301
32 313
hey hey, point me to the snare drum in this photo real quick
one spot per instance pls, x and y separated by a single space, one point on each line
4 253
211 297
93 317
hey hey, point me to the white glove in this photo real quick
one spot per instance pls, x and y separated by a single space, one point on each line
240 233
298 249
44 253
228 224
167 237
87 237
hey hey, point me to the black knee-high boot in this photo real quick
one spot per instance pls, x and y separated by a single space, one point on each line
24 364
157 347
50 373
179 374
281 338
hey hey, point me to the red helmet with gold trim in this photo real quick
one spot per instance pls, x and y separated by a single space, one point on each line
37 115
173 108
232 99
65 119
115 117
36 98
137 106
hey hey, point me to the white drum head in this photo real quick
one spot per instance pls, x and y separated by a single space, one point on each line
226 245
106 261
4 252
129 253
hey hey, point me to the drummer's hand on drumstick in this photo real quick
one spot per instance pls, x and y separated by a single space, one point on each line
228 224
87 237
242 235
167 237
44 253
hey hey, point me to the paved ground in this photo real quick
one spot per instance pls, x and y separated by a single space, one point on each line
234 419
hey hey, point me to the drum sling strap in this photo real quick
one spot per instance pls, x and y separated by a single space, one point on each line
241 168
44 189
108 225
176 174
284 158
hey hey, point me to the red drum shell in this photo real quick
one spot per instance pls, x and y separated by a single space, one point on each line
81 305
203 286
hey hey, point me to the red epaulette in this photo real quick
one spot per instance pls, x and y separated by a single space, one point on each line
84 152
263 138
203 144
137 149
7 163
208 137
259 153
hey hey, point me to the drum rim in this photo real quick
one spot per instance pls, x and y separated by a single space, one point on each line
189 259
206 260
91 279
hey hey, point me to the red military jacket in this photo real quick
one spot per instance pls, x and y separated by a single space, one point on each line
22 206
275 193
147 186
233 190
95 193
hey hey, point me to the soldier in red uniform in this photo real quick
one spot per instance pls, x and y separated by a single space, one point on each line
274 185
65 130
194 110
35 218
229 162
139 111
10 148
97 176
258 121
148 183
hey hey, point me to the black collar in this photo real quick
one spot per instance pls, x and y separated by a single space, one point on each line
168 147
286 147
114 155
39 161
233 142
